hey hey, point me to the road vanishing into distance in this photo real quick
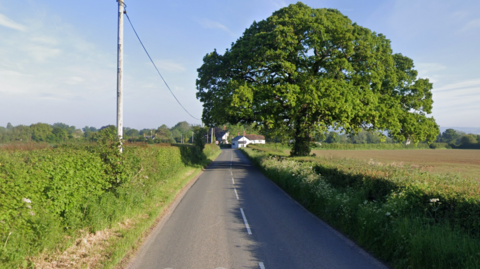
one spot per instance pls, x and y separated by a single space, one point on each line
234 217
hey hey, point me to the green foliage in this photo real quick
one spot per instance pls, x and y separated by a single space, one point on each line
49 194
302 71
40 132
439 146
450 136
469 139
200 137
410 219
182 127
66 127
58 135
130 132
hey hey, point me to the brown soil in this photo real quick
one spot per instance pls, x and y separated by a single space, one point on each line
463 162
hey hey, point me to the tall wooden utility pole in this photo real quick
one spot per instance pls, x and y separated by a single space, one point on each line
211 138
121 9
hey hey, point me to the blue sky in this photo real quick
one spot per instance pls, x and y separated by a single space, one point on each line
58 58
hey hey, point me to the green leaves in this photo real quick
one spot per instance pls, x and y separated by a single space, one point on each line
303 70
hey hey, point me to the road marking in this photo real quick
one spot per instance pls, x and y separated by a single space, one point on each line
233 180
246 222
236 194
262 266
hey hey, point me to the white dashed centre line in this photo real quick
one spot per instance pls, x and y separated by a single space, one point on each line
236 194
262 266
233 180
246 222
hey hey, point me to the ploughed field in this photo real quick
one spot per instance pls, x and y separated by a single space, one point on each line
387 202
463 162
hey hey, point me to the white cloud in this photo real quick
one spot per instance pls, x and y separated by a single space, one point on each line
460 15
170 66
473 24
42 53
45 40
11 73
73 80
468 84
209 24
5 21
456 104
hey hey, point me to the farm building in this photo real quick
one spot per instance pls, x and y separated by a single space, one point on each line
242 141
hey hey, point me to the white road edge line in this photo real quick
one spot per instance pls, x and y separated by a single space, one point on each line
262 266
236 194
246 222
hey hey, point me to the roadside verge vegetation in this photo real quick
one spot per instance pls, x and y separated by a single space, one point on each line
53 199
408 218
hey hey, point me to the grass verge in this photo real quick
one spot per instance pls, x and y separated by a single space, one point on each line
407 218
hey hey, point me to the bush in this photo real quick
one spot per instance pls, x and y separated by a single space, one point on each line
440 146
51 193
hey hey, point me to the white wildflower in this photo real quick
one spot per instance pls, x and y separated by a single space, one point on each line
387 214
434 200
28 201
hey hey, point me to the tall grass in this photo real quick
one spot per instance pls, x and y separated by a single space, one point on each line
409 219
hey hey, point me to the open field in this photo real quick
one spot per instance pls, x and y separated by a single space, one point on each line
407 217
456 161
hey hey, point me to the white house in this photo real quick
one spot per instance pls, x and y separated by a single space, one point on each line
242 141
222 137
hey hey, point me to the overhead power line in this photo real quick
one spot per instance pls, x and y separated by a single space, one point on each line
157 68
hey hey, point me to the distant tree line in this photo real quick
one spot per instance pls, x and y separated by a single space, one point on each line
458 139
61 132
450 138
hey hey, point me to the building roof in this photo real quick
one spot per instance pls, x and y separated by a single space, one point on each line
249 137
255 137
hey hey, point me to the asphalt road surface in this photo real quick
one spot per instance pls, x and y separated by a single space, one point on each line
234 217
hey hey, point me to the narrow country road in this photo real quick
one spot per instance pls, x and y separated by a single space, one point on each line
234 217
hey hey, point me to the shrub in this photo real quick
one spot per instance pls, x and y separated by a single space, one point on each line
51 193
440 146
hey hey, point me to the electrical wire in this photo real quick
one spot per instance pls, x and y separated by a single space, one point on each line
157 68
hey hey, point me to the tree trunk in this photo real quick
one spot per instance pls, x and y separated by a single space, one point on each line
301 145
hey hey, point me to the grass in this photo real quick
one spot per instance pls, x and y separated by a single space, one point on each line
407 217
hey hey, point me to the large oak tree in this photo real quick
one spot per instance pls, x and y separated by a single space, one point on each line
304 70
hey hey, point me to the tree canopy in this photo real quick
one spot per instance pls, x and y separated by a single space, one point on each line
304 70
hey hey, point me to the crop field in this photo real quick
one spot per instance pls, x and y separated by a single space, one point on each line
453 161
387 203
